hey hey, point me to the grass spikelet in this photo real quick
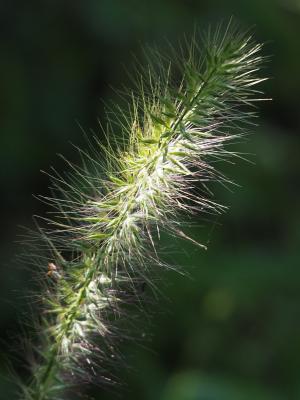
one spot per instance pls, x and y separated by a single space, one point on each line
100 242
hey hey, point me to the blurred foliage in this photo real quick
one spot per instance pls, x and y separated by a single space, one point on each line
231 329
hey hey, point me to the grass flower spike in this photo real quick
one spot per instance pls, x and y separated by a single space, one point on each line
100 243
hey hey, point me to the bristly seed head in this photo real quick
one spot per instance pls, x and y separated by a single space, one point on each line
101 245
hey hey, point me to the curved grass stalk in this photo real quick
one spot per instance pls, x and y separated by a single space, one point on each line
100 244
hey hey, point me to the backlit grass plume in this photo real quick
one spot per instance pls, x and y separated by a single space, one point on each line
99 245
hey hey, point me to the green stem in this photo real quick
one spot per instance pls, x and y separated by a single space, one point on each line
43 384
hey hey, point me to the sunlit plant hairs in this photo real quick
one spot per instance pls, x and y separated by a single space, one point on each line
97 249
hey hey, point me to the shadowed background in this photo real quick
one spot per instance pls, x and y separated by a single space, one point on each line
232 329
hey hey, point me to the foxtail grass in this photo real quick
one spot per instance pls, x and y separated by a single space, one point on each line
98 248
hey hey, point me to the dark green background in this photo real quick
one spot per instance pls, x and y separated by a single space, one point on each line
231 330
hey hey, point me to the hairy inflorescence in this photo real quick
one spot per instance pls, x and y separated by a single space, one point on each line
100 243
